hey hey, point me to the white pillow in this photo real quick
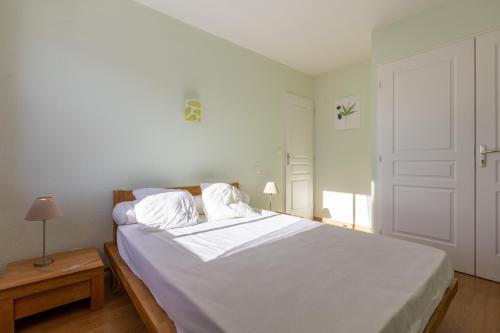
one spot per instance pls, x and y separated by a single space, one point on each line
244 196
167 210
242 209
223 201
198 202
203 186
142 193
124 213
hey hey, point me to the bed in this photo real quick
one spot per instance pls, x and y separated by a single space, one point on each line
279 273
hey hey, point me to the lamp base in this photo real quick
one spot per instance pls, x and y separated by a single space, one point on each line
42 262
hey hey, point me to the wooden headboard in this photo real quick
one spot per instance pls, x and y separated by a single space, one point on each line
127 195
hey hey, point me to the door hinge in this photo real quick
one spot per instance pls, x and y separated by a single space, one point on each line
380 84
380 158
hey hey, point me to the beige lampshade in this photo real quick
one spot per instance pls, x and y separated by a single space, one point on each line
43 208
271 188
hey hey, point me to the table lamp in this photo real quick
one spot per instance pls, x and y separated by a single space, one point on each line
270 189
43 209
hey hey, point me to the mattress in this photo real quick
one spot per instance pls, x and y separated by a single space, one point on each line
278 273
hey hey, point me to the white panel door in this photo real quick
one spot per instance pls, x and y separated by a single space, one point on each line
426 114
488 171
299 141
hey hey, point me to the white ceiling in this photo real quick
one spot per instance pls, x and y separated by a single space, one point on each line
313 36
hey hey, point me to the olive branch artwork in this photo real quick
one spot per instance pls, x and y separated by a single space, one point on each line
348 112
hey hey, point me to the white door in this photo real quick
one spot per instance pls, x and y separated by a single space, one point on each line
488 172
426 110
299 142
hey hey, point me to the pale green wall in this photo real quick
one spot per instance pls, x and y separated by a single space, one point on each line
91 93
338 167
342 157
450 22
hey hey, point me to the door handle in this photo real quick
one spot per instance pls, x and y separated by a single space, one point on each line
287 158
483 151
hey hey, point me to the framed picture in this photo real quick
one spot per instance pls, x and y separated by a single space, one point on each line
348 112
192 110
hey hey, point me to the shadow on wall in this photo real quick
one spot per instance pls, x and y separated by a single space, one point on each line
348 208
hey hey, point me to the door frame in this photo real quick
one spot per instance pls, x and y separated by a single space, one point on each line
291 98
486 268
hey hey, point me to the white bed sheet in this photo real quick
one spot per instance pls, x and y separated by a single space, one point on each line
278 273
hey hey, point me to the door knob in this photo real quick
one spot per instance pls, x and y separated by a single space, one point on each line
483 151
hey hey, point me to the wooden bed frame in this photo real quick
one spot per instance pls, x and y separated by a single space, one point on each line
157 320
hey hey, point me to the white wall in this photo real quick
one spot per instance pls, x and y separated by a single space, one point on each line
91 96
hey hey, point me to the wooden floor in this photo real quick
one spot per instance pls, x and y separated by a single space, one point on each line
475 309
117 316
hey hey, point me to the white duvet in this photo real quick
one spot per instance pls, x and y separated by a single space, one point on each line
277 273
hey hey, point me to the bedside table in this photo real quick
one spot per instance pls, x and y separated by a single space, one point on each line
26 289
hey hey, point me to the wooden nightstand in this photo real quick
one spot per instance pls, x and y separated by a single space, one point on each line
26 290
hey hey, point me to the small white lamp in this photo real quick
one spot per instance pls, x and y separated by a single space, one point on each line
270 189
43 209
